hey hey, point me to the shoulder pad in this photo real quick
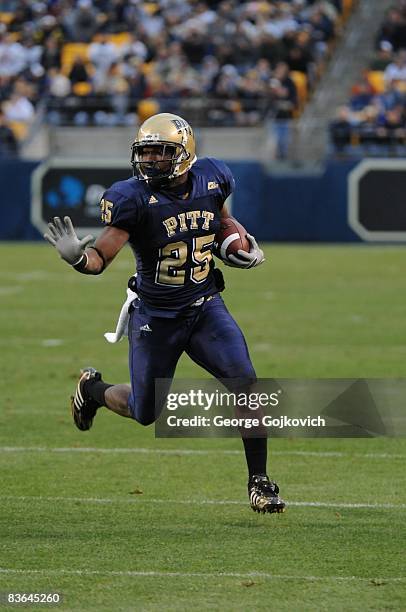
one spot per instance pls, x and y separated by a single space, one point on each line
129 189
121 204
223 175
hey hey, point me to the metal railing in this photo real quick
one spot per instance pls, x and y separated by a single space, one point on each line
115 109
250 131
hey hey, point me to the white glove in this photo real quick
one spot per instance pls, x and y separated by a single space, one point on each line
63 237
246 260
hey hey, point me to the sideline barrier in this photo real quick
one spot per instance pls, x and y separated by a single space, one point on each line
347 201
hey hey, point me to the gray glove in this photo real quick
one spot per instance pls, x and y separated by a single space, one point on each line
63 237
246 260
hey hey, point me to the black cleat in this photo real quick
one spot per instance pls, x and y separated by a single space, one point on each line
84 408
263 495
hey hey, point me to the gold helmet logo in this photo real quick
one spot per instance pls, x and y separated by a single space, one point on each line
177 152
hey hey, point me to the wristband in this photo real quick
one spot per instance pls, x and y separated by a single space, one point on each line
80 266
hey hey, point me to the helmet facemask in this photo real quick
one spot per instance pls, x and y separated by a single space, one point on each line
161 170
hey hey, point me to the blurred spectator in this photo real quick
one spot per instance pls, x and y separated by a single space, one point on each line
383 57
135 48
48 26
113 18
300 56
18 108
79 72
194 46
393 129
208 73
282 22
118 89
103 53
136 80
284 96
283 92
264 70
340 129
33 53
81 23
153 24
8 142
176 51
59 85
227 82
322 29
393 29
390 97
362 94
23 14
375 119
396 71
367 123
51 53
12 56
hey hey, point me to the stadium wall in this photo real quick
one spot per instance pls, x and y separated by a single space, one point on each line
291 206
295 206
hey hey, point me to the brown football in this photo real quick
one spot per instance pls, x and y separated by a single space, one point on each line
230 238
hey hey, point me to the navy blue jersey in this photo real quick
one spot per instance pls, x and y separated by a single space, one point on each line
172 238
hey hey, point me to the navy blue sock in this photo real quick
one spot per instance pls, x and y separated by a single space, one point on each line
95 389
256 451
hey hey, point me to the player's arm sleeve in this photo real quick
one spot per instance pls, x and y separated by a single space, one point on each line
227 184
117 210
225 180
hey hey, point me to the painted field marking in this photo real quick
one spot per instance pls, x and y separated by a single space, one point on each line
185 451
50 342
138 498
11 290
161 574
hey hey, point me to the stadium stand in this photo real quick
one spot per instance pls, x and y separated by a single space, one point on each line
216 62
373 122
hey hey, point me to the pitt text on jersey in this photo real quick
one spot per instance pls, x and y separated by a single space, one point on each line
188 220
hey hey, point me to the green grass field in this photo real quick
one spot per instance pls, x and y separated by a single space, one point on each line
116 520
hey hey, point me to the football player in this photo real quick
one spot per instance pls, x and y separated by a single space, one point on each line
169 213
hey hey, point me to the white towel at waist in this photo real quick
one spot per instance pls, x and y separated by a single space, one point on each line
122 323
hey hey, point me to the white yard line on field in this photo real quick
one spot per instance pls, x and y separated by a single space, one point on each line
51 342
138 498
38 276
11 290
190 451
162 574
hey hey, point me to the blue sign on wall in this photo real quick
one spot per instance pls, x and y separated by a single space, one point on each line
73 187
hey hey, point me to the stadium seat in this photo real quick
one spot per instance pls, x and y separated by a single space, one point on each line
70 52
147 68
355 139
82 88
20 129
375 78
401 86
146 108
150 7
300 80
119 39
347 8
6 17
123 38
